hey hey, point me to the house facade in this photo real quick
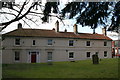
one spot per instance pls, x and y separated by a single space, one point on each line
39 46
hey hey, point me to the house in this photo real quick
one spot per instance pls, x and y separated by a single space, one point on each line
40 45
116 48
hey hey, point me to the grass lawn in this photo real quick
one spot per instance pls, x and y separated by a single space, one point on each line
108 68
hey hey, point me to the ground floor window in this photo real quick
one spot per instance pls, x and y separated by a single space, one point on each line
88 54
105 53
71 55
17 55
49 55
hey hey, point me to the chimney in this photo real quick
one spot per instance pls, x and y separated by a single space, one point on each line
19 26
75 29
57 26
65 30
104 31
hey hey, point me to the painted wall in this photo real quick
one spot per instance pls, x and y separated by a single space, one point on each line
60 49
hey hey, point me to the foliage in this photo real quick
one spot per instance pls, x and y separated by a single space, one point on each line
94 14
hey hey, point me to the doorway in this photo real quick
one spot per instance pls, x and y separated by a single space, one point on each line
33 58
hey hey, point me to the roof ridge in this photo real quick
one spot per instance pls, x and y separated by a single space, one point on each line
51 33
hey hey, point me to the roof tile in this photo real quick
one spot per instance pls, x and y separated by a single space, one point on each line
52 33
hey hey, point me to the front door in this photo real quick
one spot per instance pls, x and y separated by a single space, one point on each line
33 58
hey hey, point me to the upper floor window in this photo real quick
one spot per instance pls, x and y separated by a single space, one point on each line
88 54
17 55
17 41
105 53
71 42
88 43
71 55
34 42
50 42
105 43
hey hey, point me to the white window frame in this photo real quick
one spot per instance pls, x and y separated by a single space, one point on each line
33 41
48 56
106 54
69 43
86 54
48 43
105 42
15 56
86 43
69 55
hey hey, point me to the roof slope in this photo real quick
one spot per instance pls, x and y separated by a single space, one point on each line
53 34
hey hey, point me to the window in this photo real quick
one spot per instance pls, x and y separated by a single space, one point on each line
88 54
50 41
71 55
49 55
105 43
105 53
17 55
17 41
71 42
33 42
88 43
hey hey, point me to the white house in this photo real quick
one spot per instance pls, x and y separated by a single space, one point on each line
38 45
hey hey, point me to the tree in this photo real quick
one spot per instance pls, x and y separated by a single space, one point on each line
27 8
90 14
94 14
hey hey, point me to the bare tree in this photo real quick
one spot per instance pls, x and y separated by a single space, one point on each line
13 12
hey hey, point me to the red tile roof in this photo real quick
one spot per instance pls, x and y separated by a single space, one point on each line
53 34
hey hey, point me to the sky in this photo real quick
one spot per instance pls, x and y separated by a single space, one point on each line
68 25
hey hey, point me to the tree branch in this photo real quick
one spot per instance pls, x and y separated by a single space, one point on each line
7 13
5 24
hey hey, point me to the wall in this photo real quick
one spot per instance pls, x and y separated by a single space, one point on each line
60 49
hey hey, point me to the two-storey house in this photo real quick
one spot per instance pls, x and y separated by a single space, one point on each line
39 45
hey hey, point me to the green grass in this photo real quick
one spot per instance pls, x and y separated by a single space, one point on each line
108 68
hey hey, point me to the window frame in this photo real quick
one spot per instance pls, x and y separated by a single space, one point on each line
17 56
17 41
105 54
73 55
50 57
89 43
50 42
33 42
87 54
105 43
71 44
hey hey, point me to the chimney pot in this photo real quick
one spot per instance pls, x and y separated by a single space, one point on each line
19 26
75 29
104 31
57 26
53 29
65 30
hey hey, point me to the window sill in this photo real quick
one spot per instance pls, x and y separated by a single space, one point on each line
17 45
88 46
17 61
49 45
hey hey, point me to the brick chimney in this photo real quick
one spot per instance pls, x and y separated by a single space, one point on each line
75 29
57 26
104 31
19 26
